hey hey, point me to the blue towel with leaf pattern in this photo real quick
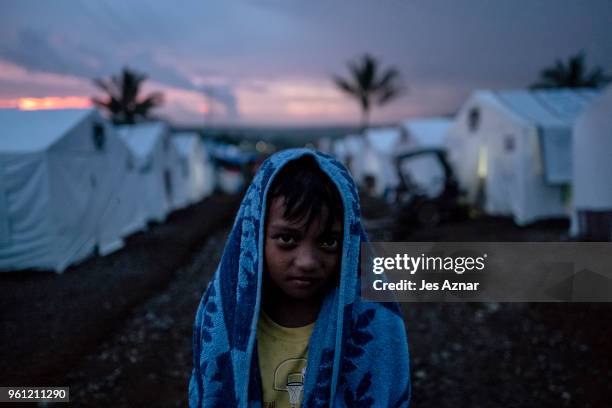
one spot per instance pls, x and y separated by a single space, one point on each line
358 352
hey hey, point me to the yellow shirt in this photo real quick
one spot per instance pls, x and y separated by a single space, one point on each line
282 362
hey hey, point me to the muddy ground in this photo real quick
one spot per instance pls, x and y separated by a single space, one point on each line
132 346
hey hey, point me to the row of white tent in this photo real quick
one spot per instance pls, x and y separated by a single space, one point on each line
372 155
70 182
528 151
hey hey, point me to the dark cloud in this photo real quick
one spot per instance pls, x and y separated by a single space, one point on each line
32 50
49 53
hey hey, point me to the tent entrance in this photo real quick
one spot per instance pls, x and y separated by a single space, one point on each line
168 185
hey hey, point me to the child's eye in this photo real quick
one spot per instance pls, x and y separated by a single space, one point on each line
285 239
329 243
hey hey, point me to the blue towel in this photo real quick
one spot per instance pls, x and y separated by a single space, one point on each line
358 352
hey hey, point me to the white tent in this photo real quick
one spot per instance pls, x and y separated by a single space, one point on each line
592 169
348 150
518 143
158 165
229 167
369 158
196 170
426 132
63 176
425 171
379 149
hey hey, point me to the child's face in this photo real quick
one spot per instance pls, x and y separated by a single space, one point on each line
302 263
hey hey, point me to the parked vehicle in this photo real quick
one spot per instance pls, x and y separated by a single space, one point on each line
428 192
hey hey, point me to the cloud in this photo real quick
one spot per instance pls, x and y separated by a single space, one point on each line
271 60
58 54
223 94
33 50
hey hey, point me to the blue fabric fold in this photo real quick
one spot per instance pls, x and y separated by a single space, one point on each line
358 352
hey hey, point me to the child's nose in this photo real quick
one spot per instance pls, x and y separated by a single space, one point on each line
306 258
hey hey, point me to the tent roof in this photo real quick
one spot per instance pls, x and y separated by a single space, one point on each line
142 137
547 107
26 131
427 131
599 109
383 140
185 142
554 112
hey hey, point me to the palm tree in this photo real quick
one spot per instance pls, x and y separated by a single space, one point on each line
369 84
123 100
572 74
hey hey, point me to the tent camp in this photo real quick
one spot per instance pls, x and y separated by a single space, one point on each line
231 165
64 189
425 171
426 132
376 160
158 165
516 146
195 169
592 168
346 147
369 158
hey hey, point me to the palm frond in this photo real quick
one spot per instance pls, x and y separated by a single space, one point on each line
368 83
123 101
345 85
571 74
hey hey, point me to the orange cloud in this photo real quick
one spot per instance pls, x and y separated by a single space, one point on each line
49 102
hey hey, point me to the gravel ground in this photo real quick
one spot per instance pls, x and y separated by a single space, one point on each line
504 354
466 355
148 361
48 322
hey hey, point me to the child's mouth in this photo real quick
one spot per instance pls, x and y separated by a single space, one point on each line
302 282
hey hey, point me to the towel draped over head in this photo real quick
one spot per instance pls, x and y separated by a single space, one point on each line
358 353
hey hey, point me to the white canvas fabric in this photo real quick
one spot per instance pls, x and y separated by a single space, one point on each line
195 168
426 132
176 166
158 166
228 160
348 150
373 156
64 188
425 171
592 162
339 150
519 150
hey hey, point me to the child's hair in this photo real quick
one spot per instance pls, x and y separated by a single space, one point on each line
307 191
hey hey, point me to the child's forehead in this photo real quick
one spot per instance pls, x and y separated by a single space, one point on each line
276 217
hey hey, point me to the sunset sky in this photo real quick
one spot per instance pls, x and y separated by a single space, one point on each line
269 62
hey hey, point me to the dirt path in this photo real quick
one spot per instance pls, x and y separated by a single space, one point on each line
463 355
468 355
48 321
147 362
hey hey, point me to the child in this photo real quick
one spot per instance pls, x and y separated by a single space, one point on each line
282 323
